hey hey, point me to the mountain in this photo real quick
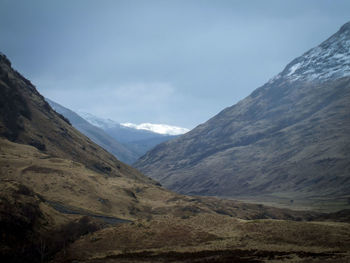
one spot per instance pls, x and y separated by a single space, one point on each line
96 134
51 176
289 139
153 128
137 138
42 150
124 142
65 199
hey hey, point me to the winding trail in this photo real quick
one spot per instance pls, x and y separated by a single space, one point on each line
73 211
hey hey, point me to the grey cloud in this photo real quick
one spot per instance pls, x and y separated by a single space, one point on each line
211 53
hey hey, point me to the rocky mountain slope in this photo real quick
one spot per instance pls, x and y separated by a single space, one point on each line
289 139
96 134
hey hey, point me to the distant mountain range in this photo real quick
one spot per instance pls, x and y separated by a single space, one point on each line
154 128
289 139
127 142
96 134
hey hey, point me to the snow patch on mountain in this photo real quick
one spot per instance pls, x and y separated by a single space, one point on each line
294 68
329 60
157 128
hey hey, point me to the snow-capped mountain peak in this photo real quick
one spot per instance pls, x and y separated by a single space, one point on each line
157 128
329 60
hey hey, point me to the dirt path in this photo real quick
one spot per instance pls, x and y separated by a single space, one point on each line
73 211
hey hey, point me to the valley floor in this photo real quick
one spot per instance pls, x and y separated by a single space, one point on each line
298 203
63 212
214 238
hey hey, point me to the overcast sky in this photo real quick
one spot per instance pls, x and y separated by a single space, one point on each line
173 62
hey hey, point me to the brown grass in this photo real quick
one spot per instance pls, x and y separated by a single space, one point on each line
213 237
168 226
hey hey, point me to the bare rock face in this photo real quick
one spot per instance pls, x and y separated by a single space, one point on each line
290 137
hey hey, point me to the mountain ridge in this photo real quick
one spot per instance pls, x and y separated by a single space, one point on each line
96 134
125 143
139 141
328 60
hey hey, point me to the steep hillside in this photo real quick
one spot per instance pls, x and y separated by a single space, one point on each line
26 118
41 150
97 135
289 139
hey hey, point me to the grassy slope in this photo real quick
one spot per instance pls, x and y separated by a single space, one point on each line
72 184
191 227
150 241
